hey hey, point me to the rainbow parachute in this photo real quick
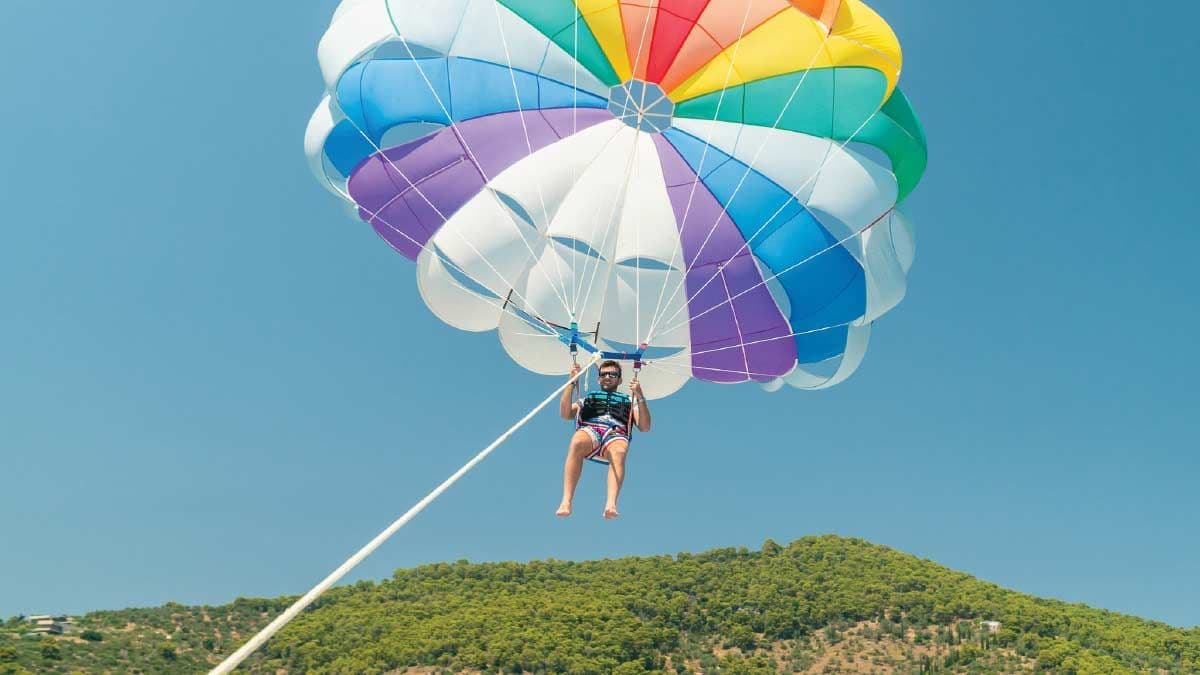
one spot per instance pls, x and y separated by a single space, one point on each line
714 179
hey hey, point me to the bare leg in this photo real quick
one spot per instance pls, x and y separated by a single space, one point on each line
616 475
581 445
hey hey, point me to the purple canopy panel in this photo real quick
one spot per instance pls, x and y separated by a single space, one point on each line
720 328
570 121
409 191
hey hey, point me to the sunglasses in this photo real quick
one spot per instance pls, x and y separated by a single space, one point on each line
609 373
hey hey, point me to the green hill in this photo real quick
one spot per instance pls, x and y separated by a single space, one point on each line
821 605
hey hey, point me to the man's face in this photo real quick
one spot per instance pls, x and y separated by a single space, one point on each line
609 378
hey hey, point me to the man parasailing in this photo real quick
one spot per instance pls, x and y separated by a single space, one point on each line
602 422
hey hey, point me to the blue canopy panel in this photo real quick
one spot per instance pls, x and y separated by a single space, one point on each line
824 283
379 95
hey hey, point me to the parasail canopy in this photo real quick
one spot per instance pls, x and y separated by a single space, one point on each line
714 179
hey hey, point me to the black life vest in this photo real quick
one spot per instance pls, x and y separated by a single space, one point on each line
605 406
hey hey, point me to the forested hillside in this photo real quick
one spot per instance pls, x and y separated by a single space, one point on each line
821 604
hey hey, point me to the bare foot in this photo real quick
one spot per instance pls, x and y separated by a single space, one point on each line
564 510
610 512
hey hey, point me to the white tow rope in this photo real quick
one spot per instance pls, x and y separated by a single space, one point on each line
282 620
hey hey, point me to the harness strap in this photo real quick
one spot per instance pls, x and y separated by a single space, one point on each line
637 368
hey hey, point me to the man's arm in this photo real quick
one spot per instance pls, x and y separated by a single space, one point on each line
641 409
566 404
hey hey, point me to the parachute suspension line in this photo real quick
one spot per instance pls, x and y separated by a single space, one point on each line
562 284
613 210
574 120
767 222
638 57
548 331
508 298
517 333
558 292
782 272
707 144
290 613
633 402
608 231
725 206
576 279
596 337
549 327
637 230
637 275
737 45
795 195
743 345
576 306
679 369
376 215
637 289
641 45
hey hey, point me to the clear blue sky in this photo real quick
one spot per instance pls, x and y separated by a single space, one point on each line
214 384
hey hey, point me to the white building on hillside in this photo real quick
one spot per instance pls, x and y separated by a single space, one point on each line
40 623
47 624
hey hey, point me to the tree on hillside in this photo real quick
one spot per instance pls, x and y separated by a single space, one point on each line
50 650
823 593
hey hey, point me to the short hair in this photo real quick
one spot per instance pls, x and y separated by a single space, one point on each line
612 363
